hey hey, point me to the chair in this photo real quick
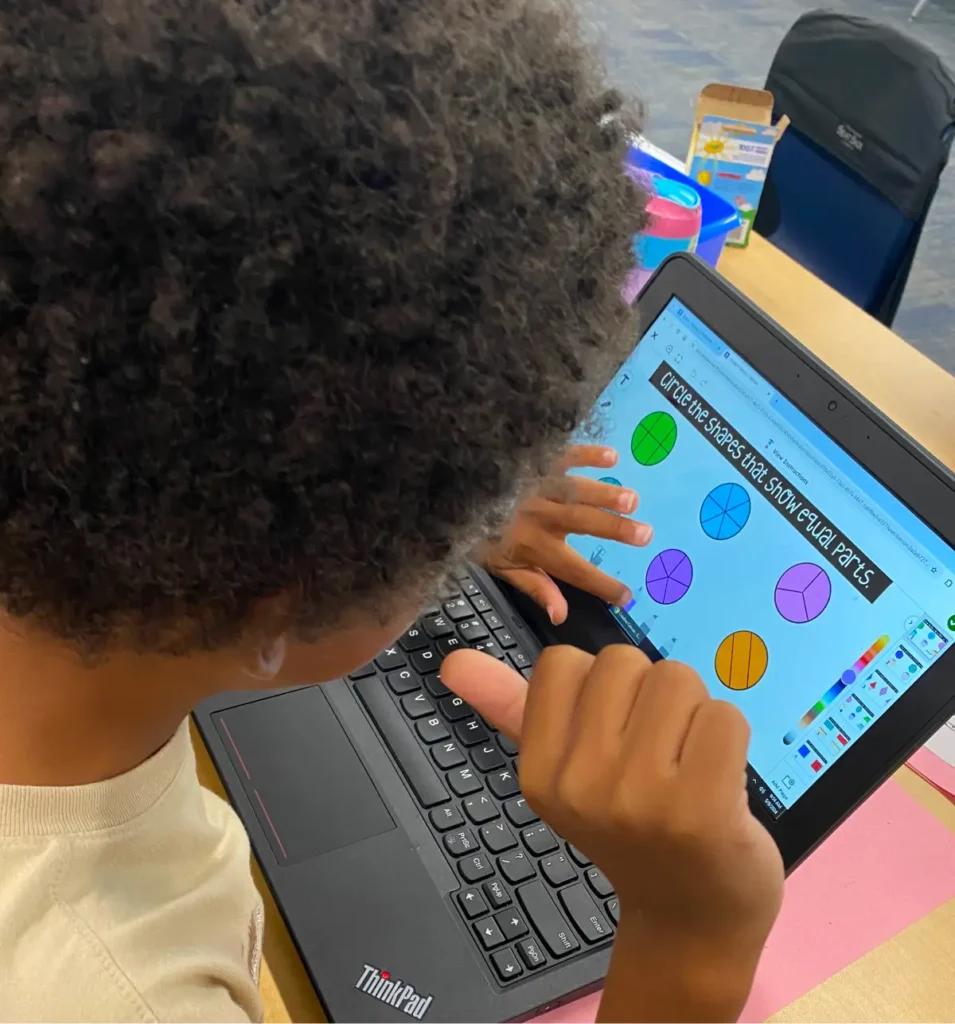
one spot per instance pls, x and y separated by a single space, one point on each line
872 114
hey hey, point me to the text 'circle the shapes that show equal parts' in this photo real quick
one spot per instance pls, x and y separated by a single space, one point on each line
653 438
741 660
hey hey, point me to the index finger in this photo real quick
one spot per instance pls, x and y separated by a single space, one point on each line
496 691
596 456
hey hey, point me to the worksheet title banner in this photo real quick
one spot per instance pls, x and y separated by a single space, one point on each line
847 557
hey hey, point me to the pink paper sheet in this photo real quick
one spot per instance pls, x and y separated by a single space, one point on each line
934 769
890 864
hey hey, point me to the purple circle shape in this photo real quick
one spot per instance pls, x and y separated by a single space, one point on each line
669 576
803 592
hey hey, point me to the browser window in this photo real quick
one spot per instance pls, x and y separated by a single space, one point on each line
795 583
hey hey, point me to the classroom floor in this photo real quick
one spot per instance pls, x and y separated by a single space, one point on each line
665 50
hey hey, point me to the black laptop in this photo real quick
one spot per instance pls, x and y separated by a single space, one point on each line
802 562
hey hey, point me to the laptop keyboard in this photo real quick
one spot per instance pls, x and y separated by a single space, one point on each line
529 898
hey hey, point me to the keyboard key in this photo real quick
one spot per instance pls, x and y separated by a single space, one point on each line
472 903
488 933
413 639
557 869
416 705
461 842
435 687
497 895
578 856
425 661
403 680
531 954
472 630
599 882
454 709
480 603
422 778
390 658
584 913
464 781
492 620
613 910
503 784
469 587
431 730
487 758
448 755
527 673
480 808
458 609
444 818
518 813
448 645
516 867
507 964
363 672
498 837
448 589
489 647
471 732
437 626
539 840
475 867
518 658
504 638
507 745
547 920
511 924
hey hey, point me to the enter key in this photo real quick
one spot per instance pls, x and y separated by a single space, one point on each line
585 914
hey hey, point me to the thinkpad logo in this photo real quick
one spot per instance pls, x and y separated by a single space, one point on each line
393 992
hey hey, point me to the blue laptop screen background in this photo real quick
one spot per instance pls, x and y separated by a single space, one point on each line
799 587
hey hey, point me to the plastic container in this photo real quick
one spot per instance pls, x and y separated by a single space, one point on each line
675 213
718 217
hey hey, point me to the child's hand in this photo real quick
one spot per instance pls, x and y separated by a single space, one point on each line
638 767
534 546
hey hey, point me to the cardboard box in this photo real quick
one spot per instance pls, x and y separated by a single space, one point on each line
732 146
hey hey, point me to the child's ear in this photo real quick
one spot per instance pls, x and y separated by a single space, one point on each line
269 659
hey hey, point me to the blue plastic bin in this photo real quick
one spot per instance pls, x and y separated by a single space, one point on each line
720 217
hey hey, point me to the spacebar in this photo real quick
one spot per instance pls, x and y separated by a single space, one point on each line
422 777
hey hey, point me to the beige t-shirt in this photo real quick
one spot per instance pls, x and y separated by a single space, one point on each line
127 900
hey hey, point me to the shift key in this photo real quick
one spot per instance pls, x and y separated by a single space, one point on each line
543 914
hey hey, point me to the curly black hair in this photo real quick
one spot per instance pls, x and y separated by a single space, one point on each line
293 297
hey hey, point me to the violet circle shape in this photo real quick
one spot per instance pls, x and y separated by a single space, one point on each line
669 576
803 592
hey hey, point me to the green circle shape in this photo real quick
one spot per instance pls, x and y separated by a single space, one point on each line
653 438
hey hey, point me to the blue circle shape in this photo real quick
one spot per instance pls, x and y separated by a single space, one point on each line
725 511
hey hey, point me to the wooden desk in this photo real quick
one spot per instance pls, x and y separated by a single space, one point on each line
912 976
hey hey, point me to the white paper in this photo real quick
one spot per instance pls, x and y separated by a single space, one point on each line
942 744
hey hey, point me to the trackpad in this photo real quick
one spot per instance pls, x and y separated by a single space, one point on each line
305 781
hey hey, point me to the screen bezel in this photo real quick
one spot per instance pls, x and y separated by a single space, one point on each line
902 466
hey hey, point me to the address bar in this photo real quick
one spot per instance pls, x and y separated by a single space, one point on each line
907 542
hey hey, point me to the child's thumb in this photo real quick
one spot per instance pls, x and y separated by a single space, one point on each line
496 691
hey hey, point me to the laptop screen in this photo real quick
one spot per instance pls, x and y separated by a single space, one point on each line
799 587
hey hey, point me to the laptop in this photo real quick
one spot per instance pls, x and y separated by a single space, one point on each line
802 562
